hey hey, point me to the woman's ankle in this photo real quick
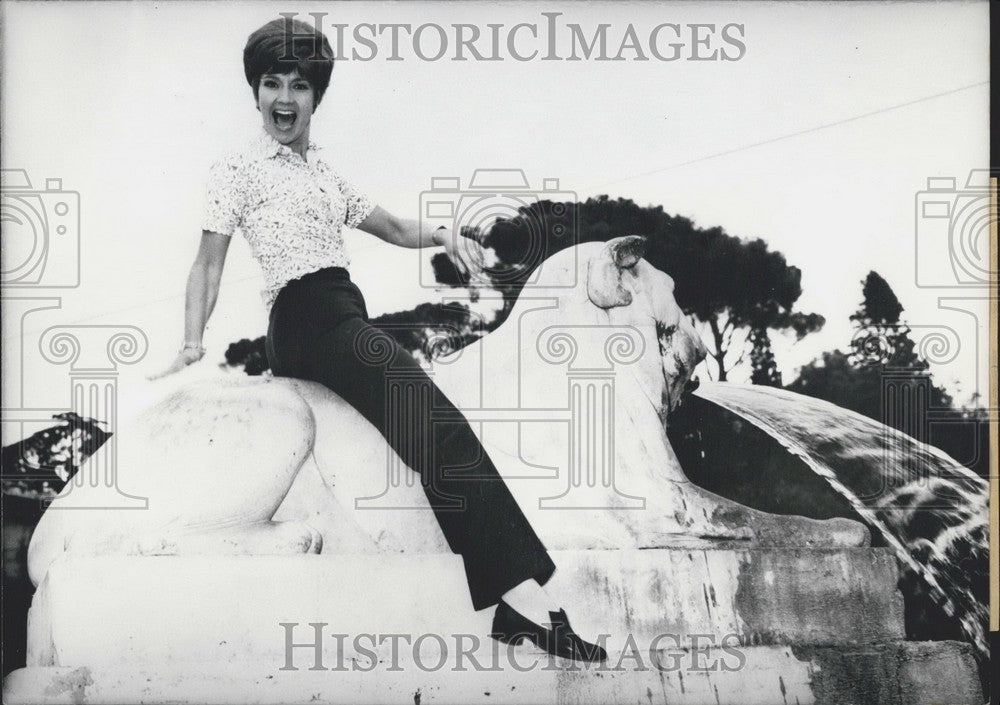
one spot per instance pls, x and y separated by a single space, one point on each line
531 600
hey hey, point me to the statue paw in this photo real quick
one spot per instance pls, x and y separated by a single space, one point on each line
790 531
315 544
266 538
153 545
283 537
714 518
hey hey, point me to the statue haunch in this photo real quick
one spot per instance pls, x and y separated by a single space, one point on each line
569 397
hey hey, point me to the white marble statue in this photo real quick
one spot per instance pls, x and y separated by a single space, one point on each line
569 396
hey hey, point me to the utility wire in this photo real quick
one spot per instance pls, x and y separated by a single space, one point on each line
799 133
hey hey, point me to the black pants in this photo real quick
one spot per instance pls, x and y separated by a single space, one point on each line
319 331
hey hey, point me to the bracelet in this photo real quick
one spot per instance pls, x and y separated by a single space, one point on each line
193 346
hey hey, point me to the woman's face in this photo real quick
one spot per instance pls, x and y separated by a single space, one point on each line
286 105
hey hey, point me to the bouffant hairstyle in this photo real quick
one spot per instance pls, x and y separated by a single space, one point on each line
286 45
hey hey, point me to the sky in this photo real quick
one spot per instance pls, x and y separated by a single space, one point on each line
819 139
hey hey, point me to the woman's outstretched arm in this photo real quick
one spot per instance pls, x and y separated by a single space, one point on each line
466 255
200 297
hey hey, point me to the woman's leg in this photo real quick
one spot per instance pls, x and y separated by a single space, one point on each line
477 514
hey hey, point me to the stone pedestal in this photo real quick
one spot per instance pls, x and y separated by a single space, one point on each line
719 625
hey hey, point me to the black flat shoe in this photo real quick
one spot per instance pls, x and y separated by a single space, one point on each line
512 627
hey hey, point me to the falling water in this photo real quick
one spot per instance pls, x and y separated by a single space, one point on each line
931 510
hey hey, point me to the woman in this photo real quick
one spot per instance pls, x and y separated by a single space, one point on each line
291 206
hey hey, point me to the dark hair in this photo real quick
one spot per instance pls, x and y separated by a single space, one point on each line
286 45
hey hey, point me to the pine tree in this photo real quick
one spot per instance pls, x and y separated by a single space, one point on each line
764 368
881 344
881 337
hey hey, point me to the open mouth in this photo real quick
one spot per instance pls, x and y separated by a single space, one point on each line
283 119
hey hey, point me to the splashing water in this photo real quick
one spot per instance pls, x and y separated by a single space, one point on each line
931 510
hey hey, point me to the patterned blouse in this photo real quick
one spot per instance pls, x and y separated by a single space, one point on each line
291 210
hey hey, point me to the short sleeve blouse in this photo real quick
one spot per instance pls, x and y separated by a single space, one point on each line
291 210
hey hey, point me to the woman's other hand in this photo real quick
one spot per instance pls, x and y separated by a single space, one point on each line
185 356
199 299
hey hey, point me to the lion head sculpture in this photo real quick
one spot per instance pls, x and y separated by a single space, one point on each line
618 277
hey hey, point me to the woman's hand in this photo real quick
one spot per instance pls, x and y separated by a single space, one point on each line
199 299
185 356
466 255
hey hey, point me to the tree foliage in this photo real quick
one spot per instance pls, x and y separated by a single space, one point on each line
431 330
763 366
427 331
883 346
879 305
251 354
39 466
881 343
